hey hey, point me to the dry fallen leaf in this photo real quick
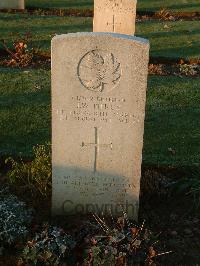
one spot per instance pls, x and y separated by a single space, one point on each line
166 26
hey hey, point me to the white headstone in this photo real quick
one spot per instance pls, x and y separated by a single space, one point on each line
116 16
13 4
98 104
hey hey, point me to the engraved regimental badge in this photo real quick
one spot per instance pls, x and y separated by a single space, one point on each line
99 71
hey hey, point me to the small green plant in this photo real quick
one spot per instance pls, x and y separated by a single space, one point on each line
189 70
48 247
106 243
14 219
121 244
34 176
39 12
190 187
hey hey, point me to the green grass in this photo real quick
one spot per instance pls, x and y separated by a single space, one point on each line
172 116
24 110
172 39
173 103
172 121
41 28
150 5
63 4
175 6
177 39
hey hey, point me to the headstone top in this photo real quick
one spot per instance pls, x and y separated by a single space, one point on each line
116 16
116 5
99 34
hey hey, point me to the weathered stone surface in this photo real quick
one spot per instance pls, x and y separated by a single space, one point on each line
14 4
116 16
98 105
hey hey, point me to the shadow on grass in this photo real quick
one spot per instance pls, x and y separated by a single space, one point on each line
187 52
185 6
23 127
171 33
174 140
26 99
46 29
178 5
59 4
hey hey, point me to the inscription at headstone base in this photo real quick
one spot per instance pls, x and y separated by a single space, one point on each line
98 105
116 16
13 4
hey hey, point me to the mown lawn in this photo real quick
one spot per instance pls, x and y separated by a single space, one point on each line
175 6
167 39
143 5
172 118
63 4
171 127
24 110
171 39
172 121
42 29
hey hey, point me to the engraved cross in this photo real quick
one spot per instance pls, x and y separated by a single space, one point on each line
113 23
96 146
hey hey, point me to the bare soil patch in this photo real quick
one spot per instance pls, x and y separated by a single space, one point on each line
163 14
157 66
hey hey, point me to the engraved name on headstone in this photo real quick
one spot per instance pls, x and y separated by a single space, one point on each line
116 16
98 105
13 4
